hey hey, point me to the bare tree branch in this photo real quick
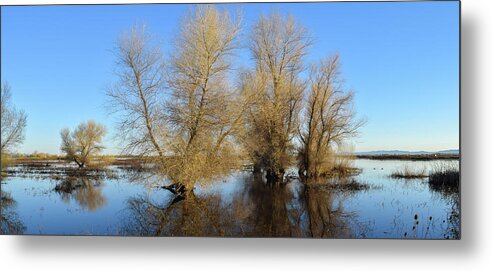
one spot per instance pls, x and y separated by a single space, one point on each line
278 45
328 119
13 122
138 93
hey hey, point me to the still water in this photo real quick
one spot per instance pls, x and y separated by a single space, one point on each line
236 205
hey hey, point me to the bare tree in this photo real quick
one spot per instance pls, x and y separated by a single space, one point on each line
329 119
137 96
278 46
83 143
13 122
185 112
203 111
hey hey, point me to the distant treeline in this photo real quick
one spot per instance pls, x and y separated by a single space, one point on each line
420 157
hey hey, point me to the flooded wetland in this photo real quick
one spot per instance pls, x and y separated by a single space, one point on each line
48 199
232 120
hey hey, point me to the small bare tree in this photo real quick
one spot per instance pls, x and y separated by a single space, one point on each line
278 45
13 122
137 96
83 143
329 119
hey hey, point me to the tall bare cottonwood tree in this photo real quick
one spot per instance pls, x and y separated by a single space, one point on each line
138 94
184 112
203 111
278 45
83 143
13 122
328 120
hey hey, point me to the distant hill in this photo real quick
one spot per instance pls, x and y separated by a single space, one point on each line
398 152
449 152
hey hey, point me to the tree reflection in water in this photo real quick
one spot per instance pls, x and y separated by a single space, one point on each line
9 222
258 210
85 191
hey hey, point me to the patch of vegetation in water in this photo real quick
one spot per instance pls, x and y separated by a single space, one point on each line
445 177
338 184
345 171
447 180
409 173
351 185
58 171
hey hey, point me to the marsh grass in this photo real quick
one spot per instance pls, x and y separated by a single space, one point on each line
5 162
349 185
47 170
409 173
344 165
445 176
58 168
336 183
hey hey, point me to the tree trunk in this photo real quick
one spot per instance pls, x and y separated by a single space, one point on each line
81 165
180 191
256 169
275 176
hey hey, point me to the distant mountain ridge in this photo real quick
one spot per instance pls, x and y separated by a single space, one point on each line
398 152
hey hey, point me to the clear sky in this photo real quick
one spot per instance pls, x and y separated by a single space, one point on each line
401 59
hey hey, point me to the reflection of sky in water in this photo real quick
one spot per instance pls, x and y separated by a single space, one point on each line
386 210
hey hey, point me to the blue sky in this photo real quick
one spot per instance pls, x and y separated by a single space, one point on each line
401 60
